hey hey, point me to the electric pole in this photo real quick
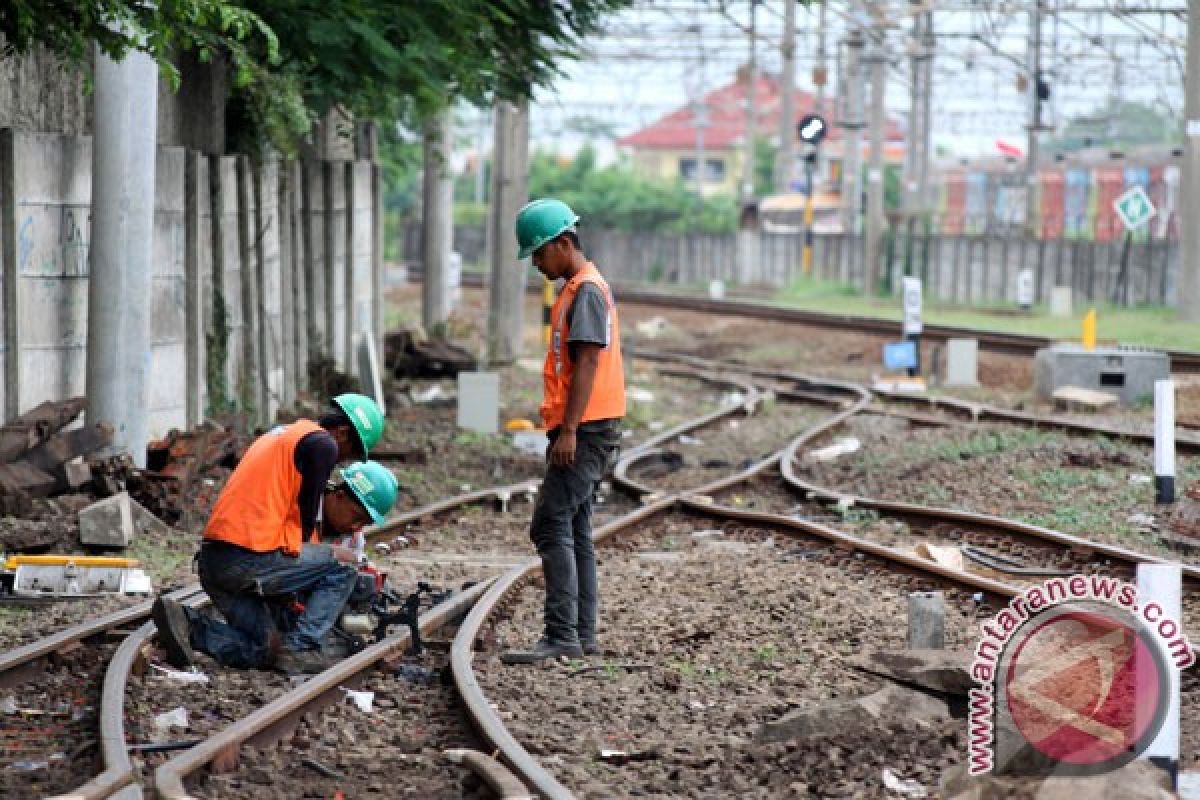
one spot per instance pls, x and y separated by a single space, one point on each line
1189 262
917 156
510 191
851 119
784 159
1035 117
121 261
747 192
875 220
437 224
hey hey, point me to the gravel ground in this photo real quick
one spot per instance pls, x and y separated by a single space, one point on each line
395 750
697 658
728 445
49 729
1088 486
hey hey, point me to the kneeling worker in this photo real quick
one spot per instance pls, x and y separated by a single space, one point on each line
252 551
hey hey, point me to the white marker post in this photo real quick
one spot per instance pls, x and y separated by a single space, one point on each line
1163 584
912 319
1164 442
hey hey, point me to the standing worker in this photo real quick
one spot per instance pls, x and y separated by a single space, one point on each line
583 402
252 550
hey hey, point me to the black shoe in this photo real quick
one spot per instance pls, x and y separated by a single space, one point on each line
173 631
590 647
541 651
301 662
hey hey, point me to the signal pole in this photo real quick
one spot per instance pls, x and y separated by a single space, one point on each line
1189 266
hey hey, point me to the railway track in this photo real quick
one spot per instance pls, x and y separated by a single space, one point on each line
1182 361
819 543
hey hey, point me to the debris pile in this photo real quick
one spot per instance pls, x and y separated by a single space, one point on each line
408 354
51 478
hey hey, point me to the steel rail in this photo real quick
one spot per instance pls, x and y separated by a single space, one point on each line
487 720
503 494
1019 344
168 778
1019 530
117 779
12 661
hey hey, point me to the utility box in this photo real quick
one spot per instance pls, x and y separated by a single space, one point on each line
1127 372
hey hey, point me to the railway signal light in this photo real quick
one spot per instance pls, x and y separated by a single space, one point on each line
812 129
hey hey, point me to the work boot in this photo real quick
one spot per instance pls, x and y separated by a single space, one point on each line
173 631
301 662
590 647
541 651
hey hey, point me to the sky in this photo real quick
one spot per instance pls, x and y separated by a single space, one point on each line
659 55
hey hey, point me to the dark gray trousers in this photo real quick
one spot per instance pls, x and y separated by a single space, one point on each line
562 532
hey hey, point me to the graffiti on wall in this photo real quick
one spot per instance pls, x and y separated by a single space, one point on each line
53 241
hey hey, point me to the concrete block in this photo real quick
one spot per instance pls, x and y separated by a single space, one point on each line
926 621
962 362
108 522
1127 372
479 401
76 473
1060 301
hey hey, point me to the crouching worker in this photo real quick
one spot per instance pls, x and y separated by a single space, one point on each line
252 554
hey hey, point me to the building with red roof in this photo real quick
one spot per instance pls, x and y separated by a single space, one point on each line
668 148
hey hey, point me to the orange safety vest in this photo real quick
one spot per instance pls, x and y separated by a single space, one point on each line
257 509
608 391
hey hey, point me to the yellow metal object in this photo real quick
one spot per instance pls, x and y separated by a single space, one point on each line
1089 330
547 305
518 425
806 257
12 562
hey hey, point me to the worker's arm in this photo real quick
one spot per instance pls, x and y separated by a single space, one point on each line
587 357
315 457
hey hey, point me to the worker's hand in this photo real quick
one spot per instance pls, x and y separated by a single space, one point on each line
344 555
562 452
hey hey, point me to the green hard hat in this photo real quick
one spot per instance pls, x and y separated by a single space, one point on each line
374 485
540 221
364 415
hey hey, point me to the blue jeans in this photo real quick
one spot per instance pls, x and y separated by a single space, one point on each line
562 532
241 583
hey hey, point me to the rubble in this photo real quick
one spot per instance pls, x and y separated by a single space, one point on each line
408 354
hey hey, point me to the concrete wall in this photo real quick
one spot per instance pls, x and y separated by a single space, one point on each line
229 235
38 95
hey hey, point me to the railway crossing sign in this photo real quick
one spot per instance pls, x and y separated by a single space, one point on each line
1134 208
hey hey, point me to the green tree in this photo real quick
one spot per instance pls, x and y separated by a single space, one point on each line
617 197
1119 127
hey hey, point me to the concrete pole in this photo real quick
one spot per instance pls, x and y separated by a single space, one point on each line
1035 118
926 621
510 191
852 121
916 163
1189 266
751 106
437 224
873 247
121 257
784 158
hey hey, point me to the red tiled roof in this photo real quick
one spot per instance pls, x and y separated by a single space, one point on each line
726 119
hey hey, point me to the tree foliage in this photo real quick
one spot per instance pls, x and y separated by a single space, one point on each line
294 59
617 197
1122 126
